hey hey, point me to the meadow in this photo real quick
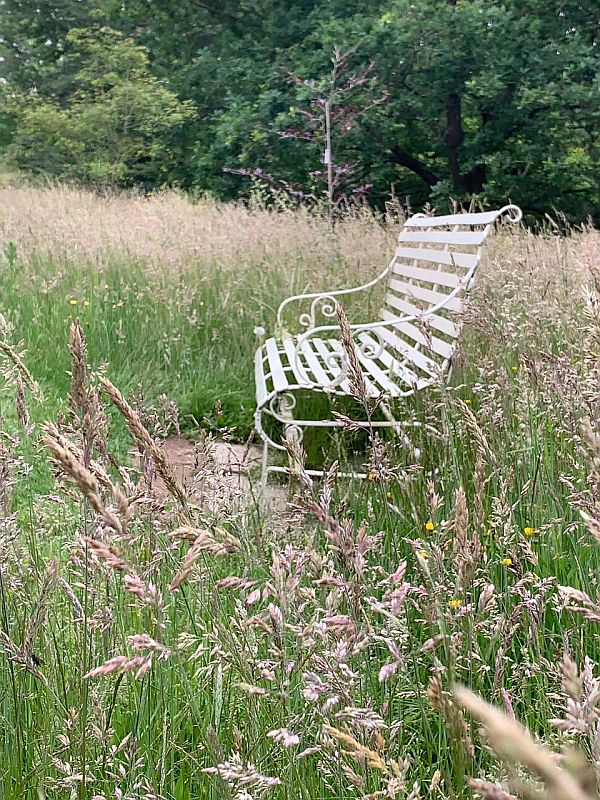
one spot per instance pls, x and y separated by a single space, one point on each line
155 647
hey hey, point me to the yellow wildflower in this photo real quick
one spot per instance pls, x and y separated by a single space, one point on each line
429 525
86 303
468 401
424 554
371 476
73 301
455 602
388 495
528 532
515 369
506 562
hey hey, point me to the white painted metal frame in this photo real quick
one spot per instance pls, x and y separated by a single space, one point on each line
380 342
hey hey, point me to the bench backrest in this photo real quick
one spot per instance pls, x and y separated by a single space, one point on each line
436 257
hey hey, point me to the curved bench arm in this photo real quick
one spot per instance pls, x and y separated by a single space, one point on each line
324 302
371 351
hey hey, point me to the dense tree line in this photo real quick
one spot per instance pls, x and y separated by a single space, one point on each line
433 99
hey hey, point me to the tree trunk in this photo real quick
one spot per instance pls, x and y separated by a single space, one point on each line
472 181
454 137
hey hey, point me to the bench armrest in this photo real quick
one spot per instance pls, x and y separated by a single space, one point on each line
360 327
366 326
324 302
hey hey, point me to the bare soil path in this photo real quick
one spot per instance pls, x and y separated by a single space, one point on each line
222 472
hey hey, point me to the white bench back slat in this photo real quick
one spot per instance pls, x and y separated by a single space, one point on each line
435 257
428 296
403 308
439 278
484 218
470 238
466 260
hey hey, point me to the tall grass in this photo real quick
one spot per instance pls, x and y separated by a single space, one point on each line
156 647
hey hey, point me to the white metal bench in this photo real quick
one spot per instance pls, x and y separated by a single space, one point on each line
409 347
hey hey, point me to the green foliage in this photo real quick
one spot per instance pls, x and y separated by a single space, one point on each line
486 100
110 128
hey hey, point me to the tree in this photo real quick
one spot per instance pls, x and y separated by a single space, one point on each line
487 100
111 126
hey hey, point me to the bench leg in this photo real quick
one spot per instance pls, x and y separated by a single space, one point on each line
292 432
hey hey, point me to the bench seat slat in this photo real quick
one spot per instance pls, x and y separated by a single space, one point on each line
372 388
280 381
407 376
289 346
416 357
439 346
373 368
328 348
314 362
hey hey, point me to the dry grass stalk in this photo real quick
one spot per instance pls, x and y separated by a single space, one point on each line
95 467
107 554
15 359
77 398
22 412
145 441
78 613
356 378
40 610
487 790
120 665
514 744
452 714
356 749
85 480
204 542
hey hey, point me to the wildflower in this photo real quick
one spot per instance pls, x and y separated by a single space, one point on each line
506 562
429 525
455 602
528 532
372 477
424 554
515 369
468 401
388 495
86 303
73 301
259 330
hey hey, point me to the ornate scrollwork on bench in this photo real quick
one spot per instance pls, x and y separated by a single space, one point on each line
326 304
